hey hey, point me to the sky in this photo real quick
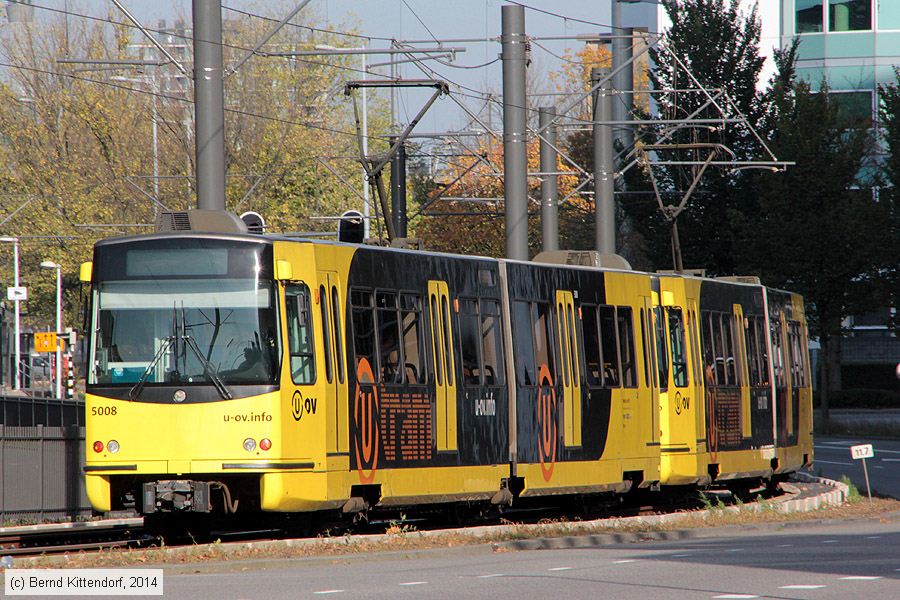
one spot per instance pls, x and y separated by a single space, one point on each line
425 20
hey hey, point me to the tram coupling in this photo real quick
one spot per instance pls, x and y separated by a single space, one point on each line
177 495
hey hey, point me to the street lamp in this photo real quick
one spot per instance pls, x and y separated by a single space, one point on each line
49 264
15 296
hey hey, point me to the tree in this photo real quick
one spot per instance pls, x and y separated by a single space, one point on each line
816 229
77 152
718 48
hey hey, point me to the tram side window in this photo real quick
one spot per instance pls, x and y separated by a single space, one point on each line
593 358
338 343
777 354
300 342
676 342
491 342
728 338
388 337
326 334
718 348
523 348
756 367
542 318
662 352
363 319
625 321
411 313
609 346
709 350
798 373
469 340
645 348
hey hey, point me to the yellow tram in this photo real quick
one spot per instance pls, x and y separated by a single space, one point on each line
232 372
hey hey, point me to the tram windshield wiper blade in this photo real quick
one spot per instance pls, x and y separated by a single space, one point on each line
191 343
135 391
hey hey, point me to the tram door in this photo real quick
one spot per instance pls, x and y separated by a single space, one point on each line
566 333
441 329
330 313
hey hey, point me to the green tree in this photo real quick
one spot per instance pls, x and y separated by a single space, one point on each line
816 228
718 48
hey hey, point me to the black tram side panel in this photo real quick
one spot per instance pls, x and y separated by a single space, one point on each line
530 283
407 413
717 300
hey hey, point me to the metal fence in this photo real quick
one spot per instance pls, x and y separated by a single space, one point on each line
41 460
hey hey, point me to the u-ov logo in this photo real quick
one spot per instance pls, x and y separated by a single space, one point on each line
297 406
548 424
365 415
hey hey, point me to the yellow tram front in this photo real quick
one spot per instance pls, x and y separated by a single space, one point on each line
183 373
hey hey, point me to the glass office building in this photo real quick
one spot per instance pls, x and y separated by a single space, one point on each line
852 44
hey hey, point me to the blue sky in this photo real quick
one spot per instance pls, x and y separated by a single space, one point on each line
407 19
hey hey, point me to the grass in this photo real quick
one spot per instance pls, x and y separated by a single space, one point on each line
401 536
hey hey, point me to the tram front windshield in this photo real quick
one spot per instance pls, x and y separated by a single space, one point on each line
178 330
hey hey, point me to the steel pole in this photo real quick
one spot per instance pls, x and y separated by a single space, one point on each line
59 372
549 188
365 150
209 105
17 382
398 189
515 165
623 78
604 170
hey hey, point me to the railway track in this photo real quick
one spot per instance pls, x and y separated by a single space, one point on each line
59 538
90 536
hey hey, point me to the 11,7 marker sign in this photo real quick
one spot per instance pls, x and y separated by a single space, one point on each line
864 451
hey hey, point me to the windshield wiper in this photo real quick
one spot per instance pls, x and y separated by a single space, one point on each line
191 343
135 391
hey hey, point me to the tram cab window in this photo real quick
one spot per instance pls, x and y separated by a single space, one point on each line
300 342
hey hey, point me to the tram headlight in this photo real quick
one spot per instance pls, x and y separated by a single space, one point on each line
112 446
265 444
98 446
249 444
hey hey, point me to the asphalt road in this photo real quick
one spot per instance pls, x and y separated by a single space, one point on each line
806 561
832 460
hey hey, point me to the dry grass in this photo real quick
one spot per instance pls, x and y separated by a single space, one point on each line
400 537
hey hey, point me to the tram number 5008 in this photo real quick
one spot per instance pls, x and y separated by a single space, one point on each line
103 411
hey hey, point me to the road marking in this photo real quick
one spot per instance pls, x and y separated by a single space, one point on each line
830 462
801 586
560 569
890 460
736 596
679 555
414 583
490 576
785 545
735 550
873 537
323 592
829 541
860 578
622 562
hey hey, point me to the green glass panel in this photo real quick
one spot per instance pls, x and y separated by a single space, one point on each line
808 16
888 14
849 15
